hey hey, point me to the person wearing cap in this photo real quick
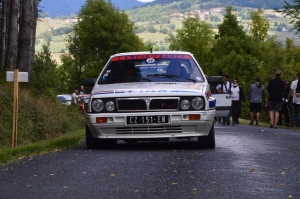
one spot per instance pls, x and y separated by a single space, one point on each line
255 95
275 89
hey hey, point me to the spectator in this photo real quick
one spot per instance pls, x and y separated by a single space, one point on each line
255 94
295 92
237 100
275 89
74 96
286 109
81 91
225 88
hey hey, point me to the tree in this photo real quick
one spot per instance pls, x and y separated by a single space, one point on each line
45 79
234 52
196 37
292 11
230 25
27 32
101 31
18 29
12 41
259 26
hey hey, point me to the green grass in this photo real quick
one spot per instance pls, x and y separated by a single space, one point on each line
68 140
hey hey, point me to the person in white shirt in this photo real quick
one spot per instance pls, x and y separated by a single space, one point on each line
74 96
295 92
237 100
224 88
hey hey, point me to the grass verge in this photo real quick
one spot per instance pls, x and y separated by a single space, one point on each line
69 140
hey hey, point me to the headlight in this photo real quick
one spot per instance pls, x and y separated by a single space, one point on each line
110 106
197 103
97 105
185 104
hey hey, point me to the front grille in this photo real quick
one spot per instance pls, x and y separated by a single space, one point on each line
131 105
148 130
148 104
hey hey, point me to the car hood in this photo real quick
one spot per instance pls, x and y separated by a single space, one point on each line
148 89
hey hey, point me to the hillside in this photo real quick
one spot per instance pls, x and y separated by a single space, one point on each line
155 23
206 4
56 8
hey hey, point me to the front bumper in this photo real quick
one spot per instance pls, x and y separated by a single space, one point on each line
179 125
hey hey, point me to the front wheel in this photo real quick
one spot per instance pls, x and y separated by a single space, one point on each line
91 142
208 142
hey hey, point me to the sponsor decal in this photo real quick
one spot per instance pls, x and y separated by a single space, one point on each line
212 102
145 91
151 56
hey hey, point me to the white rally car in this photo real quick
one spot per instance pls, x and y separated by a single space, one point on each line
142 96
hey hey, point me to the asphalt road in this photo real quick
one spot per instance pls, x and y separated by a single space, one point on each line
248 162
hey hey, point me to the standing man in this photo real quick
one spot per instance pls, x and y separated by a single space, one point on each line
295 91
237 100
256 93
74 96
275 89
81 91
286 109
225 88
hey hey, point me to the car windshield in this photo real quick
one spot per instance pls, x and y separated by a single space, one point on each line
155 68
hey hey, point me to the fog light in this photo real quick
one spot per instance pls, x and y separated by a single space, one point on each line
101 119
184 116
195 117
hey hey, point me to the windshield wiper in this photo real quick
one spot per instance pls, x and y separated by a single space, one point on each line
163 75
147 79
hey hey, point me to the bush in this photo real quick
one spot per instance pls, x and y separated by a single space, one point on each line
39 118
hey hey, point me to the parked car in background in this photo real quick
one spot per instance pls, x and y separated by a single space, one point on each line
142 96
65 99
82 100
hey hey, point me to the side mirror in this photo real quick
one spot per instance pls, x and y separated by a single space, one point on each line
215 80
89 82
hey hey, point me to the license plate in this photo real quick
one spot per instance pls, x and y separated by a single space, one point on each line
155 119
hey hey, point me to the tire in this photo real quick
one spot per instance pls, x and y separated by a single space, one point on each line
208 142
91 142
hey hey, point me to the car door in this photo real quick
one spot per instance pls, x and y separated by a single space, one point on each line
223 104
223 100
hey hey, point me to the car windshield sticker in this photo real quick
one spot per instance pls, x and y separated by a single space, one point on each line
150 60
198 78
153 56
105 75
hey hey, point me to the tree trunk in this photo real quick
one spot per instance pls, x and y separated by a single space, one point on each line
3 32
12 44
28 23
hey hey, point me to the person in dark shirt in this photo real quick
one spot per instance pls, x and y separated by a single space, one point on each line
81 91
286 109
275 89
